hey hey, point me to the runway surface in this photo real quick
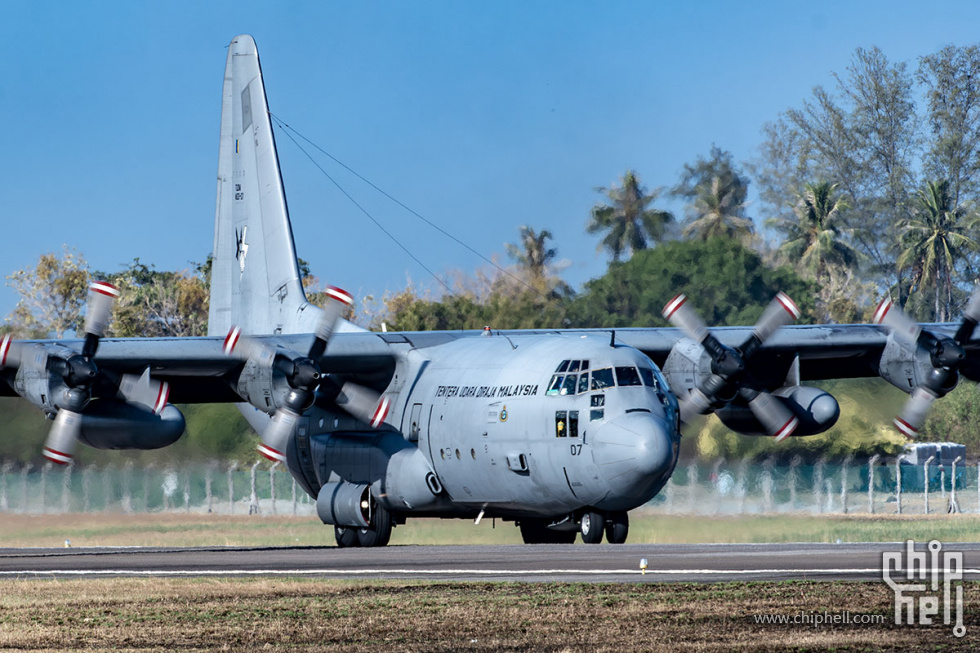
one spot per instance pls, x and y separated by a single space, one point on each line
566 563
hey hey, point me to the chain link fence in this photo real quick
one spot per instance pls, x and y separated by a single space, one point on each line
874 486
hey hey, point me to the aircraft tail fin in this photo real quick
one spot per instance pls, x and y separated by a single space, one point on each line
255 278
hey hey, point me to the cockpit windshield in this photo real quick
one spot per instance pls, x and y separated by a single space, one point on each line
574 377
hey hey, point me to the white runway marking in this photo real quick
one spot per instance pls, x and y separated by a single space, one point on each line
450 572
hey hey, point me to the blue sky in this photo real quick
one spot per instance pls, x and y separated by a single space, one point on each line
481 116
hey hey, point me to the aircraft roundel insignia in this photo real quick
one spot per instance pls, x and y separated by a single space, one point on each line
503 414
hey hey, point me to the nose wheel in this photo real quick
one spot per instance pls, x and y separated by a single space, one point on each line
591 526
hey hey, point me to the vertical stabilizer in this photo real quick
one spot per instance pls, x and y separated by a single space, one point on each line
255 281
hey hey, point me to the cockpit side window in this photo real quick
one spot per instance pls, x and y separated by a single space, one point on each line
602 379
583 382
555 385
627 376
648 379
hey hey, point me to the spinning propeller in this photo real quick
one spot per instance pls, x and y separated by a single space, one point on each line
946 355
78 372
730 373
303 375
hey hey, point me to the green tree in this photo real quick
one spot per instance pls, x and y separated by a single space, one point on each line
532 253
628 220
935 239
815 243
716 191
951 78
52 296
725 281
155 303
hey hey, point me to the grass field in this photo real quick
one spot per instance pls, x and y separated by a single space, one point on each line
199 614
295 614
170 529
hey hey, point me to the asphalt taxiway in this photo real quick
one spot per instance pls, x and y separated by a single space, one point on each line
565 563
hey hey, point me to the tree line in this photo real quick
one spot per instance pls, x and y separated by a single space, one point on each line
868 188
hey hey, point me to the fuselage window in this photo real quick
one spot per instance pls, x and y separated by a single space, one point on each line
648 378
561 424
627 376
602 378
573 423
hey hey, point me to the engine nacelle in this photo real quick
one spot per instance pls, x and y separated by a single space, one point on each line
816 409
398 473
906 367
687 366
115 425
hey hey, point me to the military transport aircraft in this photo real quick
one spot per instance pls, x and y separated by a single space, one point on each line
561 431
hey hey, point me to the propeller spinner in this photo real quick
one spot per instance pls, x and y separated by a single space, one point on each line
303 375
730 373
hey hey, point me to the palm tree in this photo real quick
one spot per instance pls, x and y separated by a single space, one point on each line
531 253
815 236
934 239
627 218
718 211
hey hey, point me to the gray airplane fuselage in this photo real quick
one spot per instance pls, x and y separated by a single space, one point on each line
540 425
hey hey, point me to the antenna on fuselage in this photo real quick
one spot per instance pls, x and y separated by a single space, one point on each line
612 338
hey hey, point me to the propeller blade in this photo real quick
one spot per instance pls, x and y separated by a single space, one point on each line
101 296
277 434
64 434
971 316
680 314
894 319
244 348
364 404
913 414
781 311
778 420
694 404
10 353
338 301
145 391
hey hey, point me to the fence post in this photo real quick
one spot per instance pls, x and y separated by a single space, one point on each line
106 487
66 488
44 487
843 482
953 505
925 482
740 486
231 487
208 499
86 480
4 504
127 491
187 489
794 464
871 483
767 486
818 482
253 500
272 485
942 480
692 481
898 482
294 495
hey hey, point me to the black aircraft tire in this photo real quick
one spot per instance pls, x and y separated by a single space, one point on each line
591 527
380 532
346 537
617 527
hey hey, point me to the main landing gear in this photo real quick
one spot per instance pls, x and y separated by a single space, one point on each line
378 534
591 525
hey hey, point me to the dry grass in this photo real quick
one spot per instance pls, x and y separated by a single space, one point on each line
112 529
273 615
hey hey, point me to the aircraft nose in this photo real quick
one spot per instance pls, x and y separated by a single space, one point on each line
634 454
